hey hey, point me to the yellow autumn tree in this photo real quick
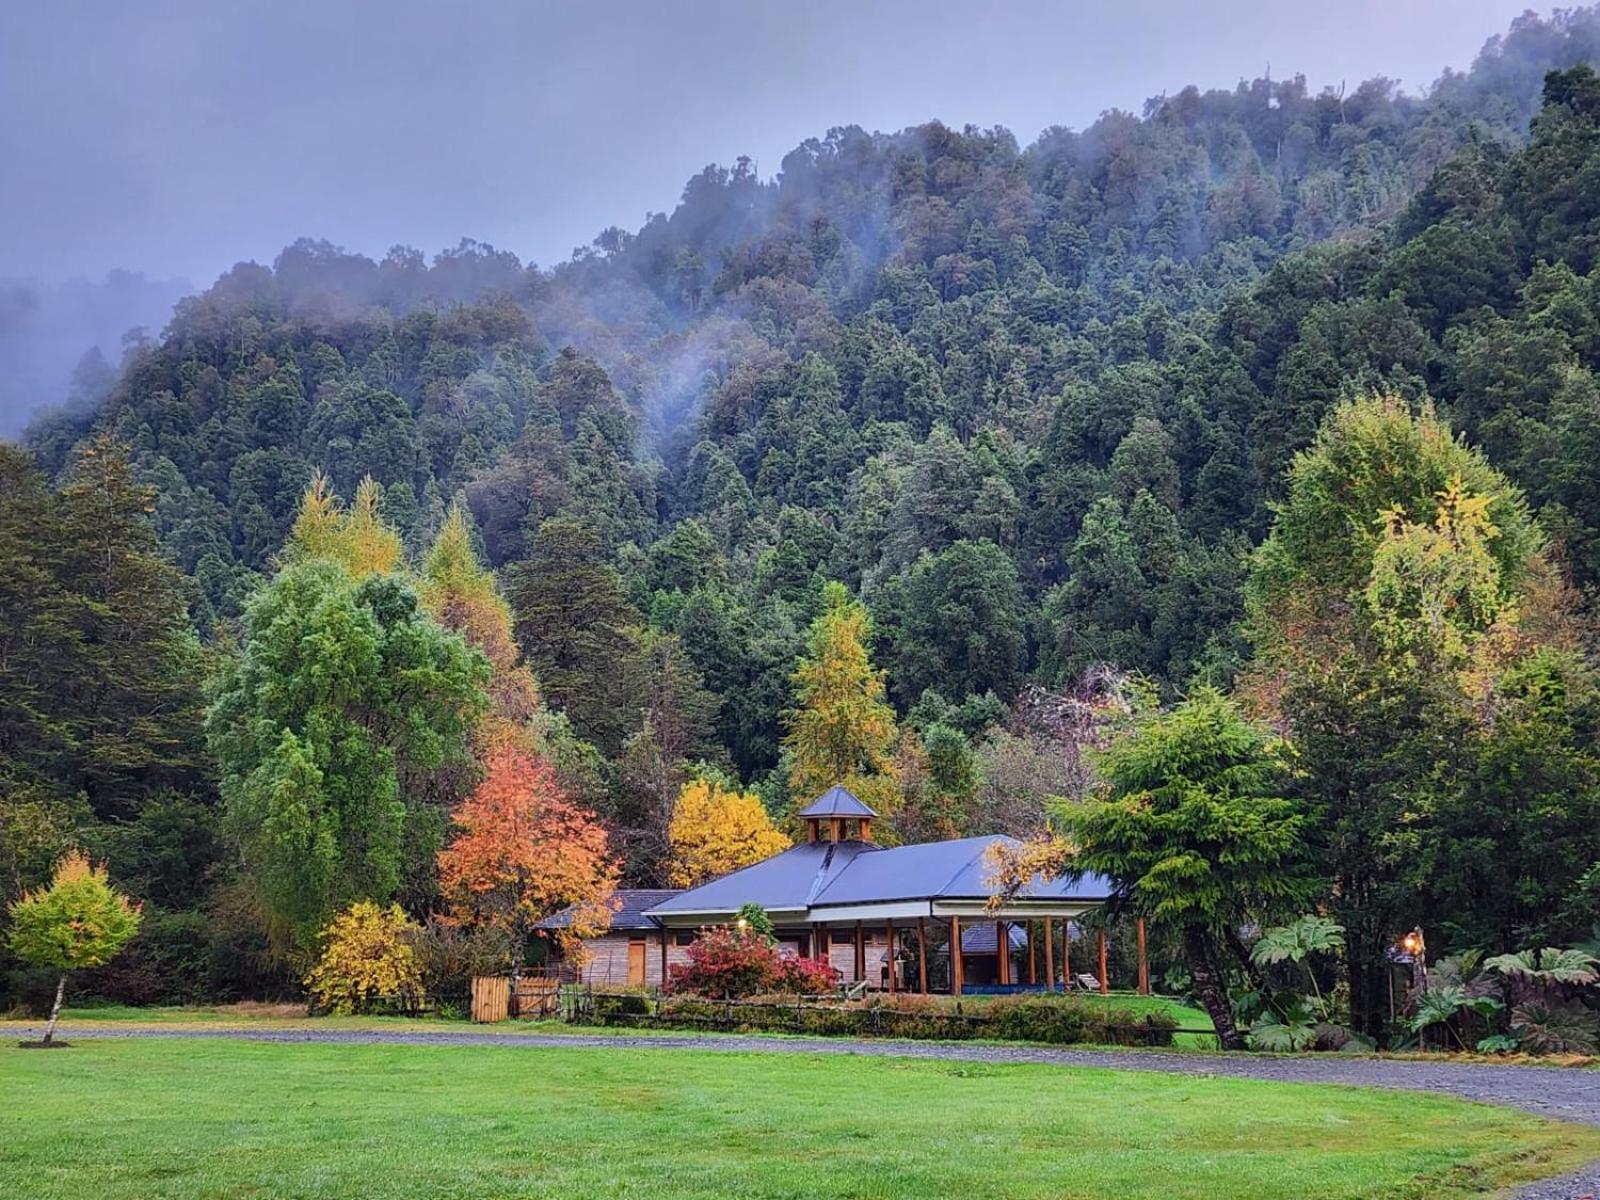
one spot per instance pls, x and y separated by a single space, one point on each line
843 730
359 539
367 961
460 593
715 830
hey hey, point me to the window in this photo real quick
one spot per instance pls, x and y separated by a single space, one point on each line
684 938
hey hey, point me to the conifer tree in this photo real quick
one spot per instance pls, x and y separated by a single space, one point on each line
842 730
461 595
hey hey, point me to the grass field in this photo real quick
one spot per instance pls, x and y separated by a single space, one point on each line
123 1119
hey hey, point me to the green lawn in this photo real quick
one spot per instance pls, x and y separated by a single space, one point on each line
123 1119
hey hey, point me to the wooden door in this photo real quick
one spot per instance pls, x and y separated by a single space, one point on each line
636 950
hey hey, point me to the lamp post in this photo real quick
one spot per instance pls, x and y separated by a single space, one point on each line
1416 946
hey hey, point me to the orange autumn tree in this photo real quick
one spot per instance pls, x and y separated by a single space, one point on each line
716 830
524 850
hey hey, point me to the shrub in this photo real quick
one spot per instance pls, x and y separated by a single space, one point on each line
367 961
1057 1019
448 956
727 963
805 976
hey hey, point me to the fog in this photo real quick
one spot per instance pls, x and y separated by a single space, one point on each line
173 138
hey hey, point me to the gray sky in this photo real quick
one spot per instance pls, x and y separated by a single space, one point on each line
177 137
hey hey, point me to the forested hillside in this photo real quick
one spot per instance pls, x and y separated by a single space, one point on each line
1032 407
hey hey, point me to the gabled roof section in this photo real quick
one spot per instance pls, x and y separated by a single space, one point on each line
837 802
786 882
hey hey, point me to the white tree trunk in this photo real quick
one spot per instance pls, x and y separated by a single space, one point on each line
55 1009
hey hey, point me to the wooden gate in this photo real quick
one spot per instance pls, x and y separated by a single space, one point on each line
491 998
538 996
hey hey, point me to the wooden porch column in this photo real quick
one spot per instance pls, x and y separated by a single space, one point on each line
889 958
664 936
1033 967
1105 984
861 955
1002 949
1066 956
922 955
1049 956
955 956
1144 963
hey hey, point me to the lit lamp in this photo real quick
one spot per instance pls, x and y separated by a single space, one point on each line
1416 946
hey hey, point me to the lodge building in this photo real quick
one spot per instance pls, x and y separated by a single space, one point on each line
915 918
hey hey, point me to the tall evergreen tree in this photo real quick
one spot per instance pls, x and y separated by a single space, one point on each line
841 730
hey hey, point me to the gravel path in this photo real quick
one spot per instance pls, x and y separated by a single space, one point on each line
1560 1093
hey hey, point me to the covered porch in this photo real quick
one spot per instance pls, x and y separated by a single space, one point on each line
929 947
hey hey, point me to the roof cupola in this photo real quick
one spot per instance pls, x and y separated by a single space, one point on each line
829 817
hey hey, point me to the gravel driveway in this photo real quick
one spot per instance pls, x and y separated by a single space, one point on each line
1560 1093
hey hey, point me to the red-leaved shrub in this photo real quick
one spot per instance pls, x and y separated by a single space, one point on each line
728 963
805 976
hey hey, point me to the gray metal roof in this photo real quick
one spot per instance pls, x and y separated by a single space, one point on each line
632 904
837 802
953 870
783 883
826 874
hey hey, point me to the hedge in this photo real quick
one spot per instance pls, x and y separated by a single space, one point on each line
1052 1018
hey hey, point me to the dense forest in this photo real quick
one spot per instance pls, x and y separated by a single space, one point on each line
1036 432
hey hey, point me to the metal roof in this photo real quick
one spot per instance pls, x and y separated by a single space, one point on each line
786 882
952 870
820 875
631 903
837 802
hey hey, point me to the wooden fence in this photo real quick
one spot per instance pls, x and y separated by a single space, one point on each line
538 995
491 998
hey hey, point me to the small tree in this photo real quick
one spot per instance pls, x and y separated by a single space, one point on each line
367 957
1194 827
524 851
79 921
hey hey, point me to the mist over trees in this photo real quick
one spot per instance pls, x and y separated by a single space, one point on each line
917 467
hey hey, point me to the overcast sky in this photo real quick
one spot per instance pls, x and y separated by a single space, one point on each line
176 138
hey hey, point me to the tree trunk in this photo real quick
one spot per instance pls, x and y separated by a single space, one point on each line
1366 966
1210 985
55 1009
1242 953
